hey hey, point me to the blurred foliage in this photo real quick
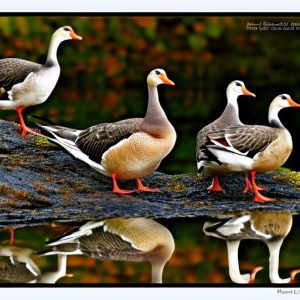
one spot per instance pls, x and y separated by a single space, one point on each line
197 258
103 77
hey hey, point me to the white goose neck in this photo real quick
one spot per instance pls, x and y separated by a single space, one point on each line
232 98
273 117
157 272
52 50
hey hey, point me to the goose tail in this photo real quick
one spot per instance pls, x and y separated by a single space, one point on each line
66 138
8 105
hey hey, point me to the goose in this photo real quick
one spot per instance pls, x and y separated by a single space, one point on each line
127 149
254 148
13 271
133 239
21 255
27 83
20 268
230 116
53 277
269 227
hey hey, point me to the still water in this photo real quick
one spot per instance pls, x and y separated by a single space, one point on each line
245 248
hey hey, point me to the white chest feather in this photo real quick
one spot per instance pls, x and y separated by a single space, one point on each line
36 88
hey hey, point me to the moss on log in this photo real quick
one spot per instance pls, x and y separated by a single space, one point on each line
41 183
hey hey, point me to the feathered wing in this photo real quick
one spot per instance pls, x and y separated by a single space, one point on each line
244 140
15 70
95 140
107 245
15 272
228 228
98 239
202 153
90 144
229 117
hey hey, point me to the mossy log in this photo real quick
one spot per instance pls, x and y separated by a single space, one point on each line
41 183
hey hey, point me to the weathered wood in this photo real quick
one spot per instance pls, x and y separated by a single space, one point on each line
41 183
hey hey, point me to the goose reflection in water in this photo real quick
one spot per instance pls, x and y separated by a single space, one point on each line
269 227
132 239
17 266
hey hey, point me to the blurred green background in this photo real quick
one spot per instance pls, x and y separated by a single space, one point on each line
103 77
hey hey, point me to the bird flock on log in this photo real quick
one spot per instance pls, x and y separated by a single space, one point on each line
133 148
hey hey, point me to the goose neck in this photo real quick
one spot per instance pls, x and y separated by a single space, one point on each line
52 50
273 117
155 117
157 272
232 99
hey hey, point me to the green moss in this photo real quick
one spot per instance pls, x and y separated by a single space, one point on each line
289 177
44 142
179 187
282 169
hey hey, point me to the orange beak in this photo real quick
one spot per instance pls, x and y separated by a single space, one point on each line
74 36
166 80
293 103
247 93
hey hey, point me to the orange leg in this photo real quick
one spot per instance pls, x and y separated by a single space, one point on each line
293 275
116 188
12 236
249 185
253 274
258 197
24 128
215 186
141 187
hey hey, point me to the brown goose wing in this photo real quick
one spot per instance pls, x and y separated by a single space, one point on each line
106 245
95 140
202 139
246 139
15 70
15 272
228 118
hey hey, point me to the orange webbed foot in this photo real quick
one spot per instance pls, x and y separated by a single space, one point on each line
253 274
143 188
260 198
293 275
215 186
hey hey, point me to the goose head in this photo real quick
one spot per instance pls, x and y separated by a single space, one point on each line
237 88
284 100
158 76
65 33
280 102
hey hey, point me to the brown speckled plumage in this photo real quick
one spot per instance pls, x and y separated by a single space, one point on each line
14 70
15 272
95 140
228 117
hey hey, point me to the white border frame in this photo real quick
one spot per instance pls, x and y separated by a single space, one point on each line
140 6
149 6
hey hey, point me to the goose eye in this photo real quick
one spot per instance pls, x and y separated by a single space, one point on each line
238 84
157 72
283 97
66 28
